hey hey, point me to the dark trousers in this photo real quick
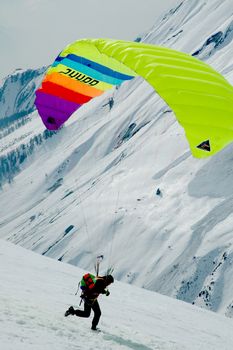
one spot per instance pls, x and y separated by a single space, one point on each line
88 306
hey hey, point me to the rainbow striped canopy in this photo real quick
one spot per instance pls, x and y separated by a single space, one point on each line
200 97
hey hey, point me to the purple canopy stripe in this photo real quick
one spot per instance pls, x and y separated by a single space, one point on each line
54 111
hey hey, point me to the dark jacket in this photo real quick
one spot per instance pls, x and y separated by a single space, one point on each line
99 288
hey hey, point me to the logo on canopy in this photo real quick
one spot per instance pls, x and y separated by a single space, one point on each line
205 146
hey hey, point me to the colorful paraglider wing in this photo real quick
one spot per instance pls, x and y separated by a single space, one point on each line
200 97
78 74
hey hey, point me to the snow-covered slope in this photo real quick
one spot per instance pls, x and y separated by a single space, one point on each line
91 188
36 291
17 94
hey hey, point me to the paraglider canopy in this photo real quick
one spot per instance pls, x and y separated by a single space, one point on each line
200 97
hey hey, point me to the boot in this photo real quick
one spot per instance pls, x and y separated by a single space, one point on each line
70 311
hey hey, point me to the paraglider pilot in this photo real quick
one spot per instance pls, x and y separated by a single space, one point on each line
89 295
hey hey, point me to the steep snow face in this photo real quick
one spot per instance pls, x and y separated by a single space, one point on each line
17 94
18 134
122 182
195 24
37 291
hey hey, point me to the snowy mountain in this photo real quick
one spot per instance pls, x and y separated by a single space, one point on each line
122 182
37 290
17 94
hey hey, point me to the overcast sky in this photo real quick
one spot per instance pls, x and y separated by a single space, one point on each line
33 32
